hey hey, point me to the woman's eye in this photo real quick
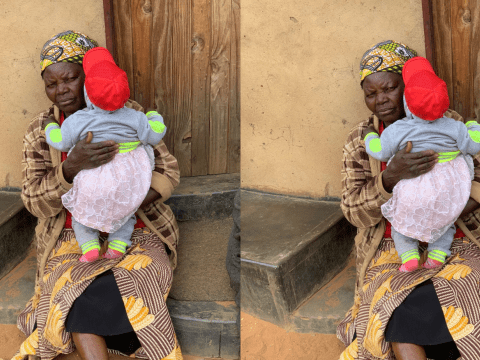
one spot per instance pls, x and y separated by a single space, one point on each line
370 96
391 88
50 86
72 79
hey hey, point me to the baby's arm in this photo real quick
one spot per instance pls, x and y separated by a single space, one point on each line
380 147
151 128
59 137
469 137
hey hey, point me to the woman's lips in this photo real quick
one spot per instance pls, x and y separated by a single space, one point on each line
386 112
66 102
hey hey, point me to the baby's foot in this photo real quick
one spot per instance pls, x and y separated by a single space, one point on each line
410 260
90 256
435 259
112 254
91 250
431 264
116 249
409 266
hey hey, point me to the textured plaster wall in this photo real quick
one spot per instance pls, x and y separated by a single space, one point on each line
300 86
25 27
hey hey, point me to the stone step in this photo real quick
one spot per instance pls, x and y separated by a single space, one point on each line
327 308
206 328
17 227
291 247
204 197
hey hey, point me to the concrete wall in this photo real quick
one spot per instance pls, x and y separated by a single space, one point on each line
25 27
300 85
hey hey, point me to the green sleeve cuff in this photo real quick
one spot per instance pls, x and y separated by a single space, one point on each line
152 113
471 123
55 125
370 134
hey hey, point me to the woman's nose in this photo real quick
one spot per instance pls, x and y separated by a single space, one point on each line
381 98
62 88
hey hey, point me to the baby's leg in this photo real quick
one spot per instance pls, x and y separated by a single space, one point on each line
440 249
407 248
120 240
88 240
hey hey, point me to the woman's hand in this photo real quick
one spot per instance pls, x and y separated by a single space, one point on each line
471 206
88 156
405 165
152 195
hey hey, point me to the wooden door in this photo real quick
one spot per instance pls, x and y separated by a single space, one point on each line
453 43
182 58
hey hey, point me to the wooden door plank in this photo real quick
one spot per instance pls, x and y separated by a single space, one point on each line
220 85
443 43
123 38
475 60
461 39
182 84
109 28
142 64
201 85
162 58
233 152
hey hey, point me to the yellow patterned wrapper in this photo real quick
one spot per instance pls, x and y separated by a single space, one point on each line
68 46
385 56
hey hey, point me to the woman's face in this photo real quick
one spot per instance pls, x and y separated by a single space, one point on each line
64 86
384 96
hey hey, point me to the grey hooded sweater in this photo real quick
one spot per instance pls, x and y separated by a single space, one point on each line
441 135
122 126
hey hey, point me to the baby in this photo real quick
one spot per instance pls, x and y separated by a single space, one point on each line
425 208
106 198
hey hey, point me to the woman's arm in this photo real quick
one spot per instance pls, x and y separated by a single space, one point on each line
165 176
362 193
42 183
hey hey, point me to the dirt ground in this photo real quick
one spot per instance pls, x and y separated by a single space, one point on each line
261 340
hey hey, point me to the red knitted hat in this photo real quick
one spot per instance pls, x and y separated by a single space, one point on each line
106 84
426 94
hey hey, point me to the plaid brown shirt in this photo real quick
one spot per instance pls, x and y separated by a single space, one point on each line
363 195
43 186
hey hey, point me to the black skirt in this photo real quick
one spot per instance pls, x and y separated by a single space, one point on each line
100 310
420 320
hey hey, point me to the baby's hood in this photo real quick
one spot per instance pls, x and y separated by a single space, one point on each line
93 107
409 115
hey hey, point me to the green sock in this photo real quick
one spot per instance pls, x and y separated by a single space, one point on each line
118 245
437 255
90 245
410 255
88 250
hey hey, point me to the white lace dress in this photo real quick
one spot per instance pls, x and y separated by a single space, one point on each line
104 198
425 207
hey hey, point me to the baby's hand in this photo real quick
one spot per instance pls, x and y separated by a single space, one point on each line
50 120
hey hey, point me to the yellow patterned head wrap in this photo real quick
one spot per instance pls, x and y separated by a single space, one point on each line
68 46
385 56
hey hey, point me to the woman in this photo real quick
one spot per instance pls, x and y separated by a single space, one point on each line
426 313
118 303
